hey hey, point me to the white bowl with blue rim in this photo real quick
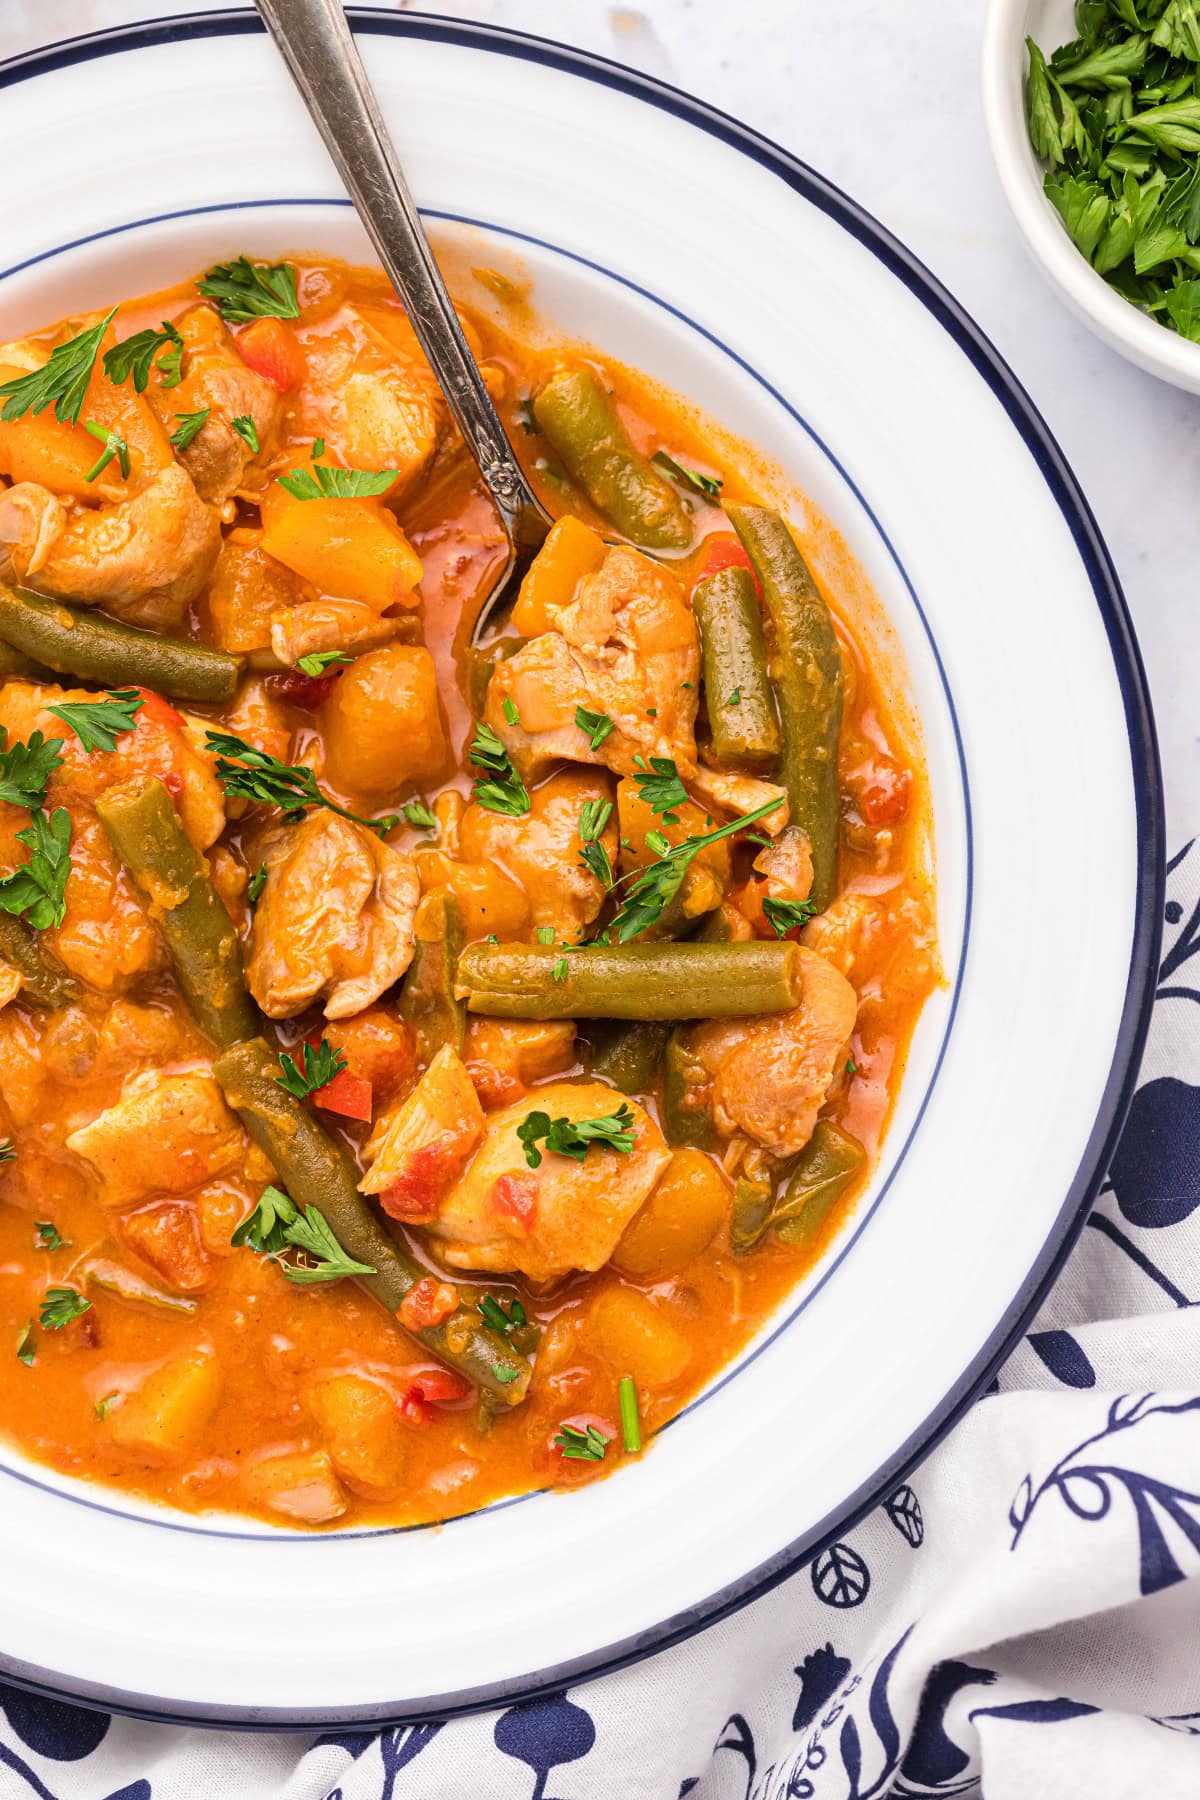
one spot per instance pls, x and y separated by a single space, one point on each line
784 311
1004 68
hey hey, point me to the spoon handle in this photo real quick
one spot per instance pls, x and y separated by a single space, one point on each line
322 57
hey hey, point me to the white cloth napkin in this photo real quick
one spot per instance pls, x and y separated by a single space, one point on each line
1021 1620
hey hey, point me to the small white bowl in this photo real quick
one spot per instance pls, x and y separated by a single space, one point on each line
1130 332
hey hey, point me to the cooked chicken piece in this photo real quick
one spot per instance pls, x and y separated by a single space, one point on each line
885 943
371 394
143 559
627 646
165 1135
133 1034
769 1076
258 717
420 1146
335 918
542 849
506 1057
740 794
22 1073
502 1215
219 382
327 625
169 751
782 871
107 937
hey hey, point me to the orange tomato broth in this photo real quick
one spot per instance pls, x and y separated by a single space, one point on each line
270 1340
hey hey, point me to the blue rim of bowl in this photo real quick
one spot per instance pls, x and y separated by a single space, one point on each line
1148 795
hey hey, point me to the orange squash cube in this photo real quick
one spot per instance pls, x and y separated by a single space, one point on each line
383 721
571 551
350 549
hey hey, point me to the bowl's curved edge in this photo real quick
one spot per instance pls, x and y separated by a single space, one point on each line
1147 778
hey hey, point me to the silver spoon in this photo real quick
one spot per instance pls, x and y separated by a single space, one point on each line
315 42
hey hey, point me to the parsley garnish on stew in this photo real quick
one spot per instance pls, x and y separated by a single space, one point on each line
38 888
786 915
190 425
420 816
8 1151
575 1137
597 725
114 445
658 885
247 430
62 382
105 1404
277 1225
708 485
320 482
593 817
60 1305
258 882
316 1069
256 775
95 722
492 1312
581 1446
501 790
25 1344
660 786
48 1237
135 356
25 768
504 1373
244 290
317 661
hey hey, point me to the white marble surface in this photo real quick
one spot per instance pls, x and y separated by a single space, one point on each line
884 99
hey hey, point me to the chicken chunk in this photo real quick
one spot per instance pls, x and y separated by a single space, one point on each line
541 850
419 1147
335 918
769 1076
165 1135
218 382
144 559
107 937
371 394
627 646
502 1215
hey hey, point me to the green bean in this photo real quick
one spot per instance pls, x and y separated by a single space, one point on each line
741 712
751 1212
628 1053
13 663
826 1166
317 1172
92 645
42 981
114 1278
630 981
165 866
427 1000
686 1118
807 667
582 427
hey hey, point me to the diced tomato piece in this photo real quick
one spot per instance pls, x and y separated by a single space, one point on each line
429 1303
429 1389
724 551
884 797
515 1197
157 711
172 780
271 349
416 1194
349 1095
305 691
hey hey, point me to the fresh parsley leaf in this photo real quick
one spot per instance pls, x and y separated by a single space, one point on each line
60 1305
597 725
525 417
631 1425
105 1404
320 482
247 430
258 882
247 773
707 485
656 886
501 790
559 971
593 817
317 661
62 382
660 787
575 1137
326 1260
316 1069
504 1373
734 698
492 1312
544 934
95 722
114 445
190 425
265 1230
581 1446
420 816
135 356
38 888
47 1236
510 710
1182 301
244 290
25 768
8 1151
25 1351
787 915
851 1066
